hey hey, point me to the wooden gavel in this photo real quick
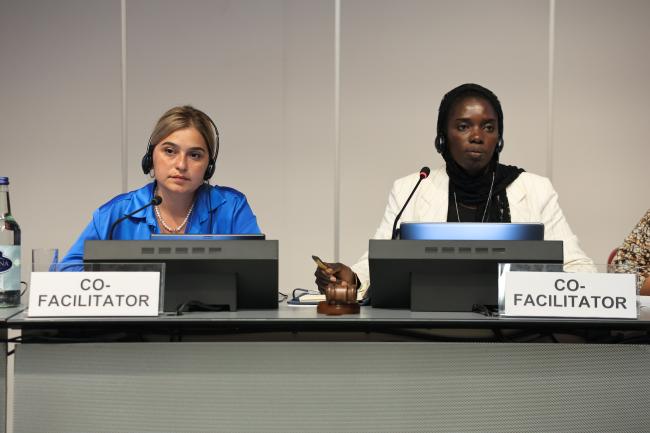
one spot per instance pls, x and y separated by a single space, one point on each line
341 295
339 300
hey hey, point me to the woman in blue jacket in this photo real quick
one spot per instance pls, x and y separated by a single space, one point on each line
181 157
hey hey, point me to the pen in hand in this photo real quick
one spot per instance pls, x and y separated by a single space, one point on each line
323 277
319 262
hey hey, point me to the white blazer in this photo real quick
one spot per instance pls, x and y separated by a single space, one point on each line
531 199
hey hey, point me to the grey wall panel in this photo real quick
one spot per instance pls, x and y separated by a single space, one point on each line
398 60
60 114
305 220
263 71
224 58
601 150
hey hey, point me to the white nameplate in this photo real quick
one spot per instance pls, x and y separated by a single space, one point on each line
580 294
82 294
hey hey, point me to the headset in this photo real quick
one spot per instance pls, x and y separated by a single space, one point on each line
147 159
441 143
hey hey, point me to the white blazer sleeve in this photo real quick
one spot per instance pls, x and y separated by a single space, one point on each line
396 199
556 227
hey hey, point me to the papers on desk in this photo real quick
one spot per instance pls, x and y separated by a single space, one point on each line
310 297
305 297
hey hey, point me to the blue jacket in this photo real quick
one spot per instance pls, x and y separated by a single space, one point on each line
217 210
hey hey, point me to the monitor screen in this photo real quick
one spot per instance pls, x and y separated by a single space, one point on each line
446 275
228 274
473 231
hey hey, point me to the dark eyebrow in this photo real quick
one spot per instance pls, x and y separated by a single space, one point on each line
171 143
468 119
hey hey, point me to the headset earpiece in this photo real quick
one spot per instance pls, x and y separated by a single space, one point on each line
500 143
147 159
440 143
210 170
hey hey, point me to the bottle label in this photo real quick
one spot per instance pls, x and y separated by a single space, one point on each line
9 267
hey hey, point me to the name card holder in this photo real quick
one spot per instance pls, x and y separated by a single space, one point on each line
546 290
97 290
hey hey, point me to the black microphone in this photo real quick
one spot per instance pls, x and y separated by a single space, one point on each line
155 201
424 173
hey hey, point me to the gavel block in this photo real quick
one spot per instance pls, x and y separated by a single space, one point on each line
339 300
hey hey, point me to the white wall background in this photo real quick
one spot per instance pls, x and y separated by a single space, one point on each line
82 83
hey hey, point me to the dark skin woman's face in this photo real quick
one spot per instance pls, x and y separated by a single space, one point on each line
472 133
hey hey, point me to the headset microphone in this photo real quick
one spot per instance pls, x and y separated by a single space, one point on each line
155 201
424 173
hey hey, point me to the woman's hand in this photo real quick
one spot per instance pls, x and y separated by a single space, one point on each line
335 273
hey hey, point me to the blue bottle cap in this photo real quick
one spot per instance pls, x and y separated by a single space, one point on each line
4 180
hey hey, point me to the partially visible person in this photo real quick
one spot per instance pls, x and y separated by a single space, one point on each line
472 187
634 255
180 157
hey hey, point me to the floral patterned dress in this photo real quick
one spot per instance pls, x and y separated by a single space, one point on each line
634 254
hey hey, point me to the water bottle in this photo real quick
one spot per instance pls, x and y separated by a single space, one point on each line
9 251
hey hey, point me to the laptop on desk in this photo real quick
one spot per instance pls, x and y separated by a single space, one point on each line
232 274
472 231
452 266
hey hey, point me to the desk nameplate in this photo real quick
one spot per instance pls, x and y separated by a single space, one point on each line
89 294
560 294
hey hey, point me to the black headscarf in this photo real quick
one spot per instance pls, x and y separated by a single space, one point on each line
474 190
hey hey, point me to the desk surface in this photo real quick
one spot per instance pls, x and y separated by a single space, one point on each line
306 318
6 313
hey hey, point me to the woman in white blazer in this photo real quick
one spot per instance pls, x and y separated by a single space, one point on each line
473 186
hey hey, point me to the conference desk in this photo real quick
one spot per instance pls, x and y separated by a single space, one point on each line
295 370
5 314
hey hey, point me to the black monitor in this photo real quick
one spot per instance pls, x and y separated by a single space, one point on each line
450 275
228 274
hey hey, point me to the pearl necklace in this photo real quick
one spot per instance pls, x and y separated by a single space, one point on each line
180 227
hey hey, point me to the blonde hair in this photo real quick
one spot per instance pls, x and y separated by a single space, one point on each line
182 117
